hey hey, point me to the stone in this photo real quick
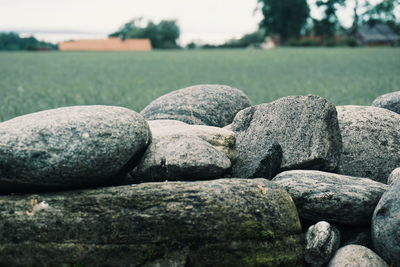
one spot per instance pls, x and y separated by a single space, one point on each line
395 174
390 101
185 152
70 147
306 128
322 241
386 225
262 162
323 196
357 256
206 104
371 141
226 222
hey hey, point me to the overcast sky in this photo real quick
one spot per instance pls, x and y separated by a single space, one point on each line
56 20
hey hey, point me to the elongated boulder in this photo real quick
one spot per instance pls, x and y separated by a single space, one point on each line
323 196
390 101
185 152
386 225
306 128
357 256
371 141
70 147
322 241
207 104
227 222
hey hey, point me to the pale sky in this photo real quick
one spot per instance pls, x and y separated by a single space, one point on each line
57 20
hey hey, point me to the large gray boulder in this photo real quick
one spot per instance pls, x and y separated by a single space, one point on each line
356 256
70 147
228 222
323 196
386 225
322 241
184 152
306 128
371 141
206 104
390 101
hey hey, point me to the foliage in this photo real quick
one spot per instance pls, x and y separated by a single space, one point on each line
162 35
328 26
285 18
11 41
254 38
35 81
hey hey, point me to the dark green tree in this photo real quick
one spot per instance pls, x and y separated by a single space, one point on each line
329 24
285 18
162 35
11 41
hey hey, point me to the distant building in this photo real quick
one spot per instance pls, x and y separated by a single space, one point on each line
110 44
377 34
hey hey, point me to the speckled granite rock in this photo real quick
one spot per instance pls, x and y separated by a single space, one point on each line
228 222
206 104
395 174
371 141
70 147
356 256
386 225
185 152
322 241
306 128
332 197
390 101
262 161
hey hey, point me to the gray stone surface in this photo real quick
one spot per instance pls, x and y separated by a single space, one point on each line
184 152
390 101
206 104
322 241
70 147
261 162
394 175
323 196
371 141
386 225
356 256
306 127
227 222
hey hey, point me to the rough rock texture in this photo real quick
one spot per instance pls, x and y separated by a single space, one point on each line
386 225
332 197
356 256
185 152
262 161
70 147
306 127
227 222
395 174
207 104
389 101
322 241
371 141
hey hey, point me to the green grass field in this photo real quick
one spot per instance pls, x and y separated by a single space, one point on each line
35 81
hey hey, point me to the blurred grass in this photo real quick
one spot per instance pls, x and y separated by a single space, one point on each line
31 82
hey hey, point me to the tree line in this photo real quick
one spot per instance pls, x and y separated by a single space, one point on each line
11 41
291 19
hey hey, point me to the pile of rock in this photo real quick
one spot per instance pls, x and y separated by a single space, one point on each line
187 183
